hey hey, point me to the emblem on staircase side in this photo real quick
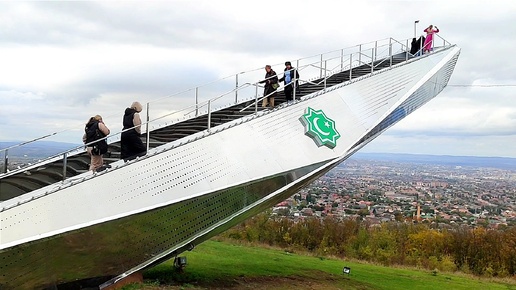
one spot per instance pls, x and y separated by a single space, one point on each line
320 128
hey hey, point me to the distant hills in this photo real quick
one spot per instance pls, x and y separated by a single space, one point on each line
36 150
42 149
465 161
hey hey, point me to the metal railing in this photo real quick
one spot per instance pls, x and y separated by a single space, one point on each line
234 89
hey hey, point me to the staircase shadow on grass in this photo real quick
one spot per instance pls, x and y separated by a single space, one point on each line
170 279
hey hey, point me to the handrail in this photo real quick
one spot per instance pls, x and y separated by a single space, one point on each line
191 89
257 100
402 44
349 47
257 84
217 98
65 153
338 60
444 40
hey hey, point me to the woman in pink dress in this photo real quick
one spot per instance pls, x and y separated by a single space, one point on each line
429 38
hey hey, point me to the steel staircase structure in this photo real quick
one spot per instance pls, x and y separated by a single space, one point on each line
60 223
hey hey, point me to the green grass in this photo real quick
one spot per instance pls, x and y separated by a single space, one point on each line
222 264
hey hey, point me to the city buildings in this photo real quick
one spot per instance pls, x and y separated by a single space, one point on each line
381 191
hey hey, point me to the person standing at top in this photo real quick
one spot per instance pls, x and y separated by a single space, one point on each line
96 129
288 79
131 146
271 85
430 31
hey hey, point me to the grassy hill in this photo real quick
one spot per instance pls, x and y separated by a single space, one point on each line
223 265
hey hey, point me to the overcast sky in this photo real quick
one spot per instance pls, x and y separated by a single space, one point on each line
62 62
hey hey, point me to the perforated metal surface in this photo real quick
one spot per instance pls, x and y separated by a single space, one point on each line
132 215
138 237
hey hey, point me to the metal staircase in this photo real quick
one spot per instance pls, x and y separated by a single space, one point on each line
62 223
47 174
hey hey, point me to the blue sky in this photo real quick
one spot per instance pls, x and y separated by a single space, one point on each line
65 61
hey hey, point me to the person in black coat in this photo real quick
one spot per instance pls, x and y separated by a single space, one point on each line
416 46
288 79
131 145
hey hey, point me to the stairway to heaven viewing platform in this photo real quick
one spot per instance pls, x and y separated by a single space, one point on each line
208 167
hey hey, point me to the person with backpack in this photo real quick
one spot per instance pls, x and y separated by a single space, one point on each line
96 129
131 146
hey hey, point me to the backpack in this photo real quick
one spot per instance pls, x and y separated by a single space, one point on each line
100 148
93 133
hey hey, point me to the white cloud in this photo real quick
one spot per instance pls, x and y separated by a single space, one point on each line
64 61
460 116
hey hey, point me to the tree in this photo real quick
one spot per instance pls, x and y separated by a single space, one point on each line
363 212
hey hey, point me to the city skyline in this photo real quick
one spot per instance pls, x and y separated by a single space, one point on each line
65 61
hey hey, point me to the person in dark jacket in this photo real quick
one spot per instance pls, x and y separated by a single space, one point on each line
288 79
271 85
416 47
131 145
99 130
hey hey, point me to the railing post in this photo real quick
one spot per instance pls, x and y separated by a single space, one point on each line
375 49
320 65
420 53
256 99
325 63
209 115
147 139
294 84
341 59
372 62
6 160
406 52
390 52
197 101
65 159
350 65
296 71
236 89
360 54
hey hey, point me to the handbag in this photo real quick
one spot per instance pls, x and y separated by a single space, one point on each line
275 86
